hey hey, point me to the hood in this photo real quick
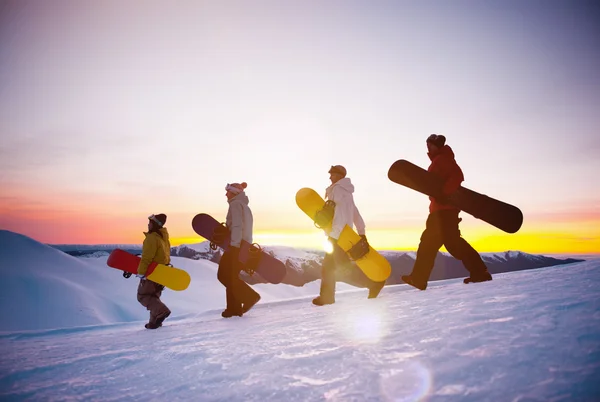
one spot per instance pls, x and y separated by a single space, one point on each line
241 197
345 184
163 231
443 151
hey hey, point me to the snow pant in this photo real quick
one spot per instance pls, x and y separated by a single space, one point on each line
148 294
441 228
237 291
353 274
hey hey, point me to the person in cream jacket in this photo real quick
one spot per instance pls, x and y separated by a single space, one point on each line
346 213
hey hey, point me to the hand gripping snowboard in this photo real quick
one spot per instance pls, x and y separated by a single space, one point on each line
373 264
173 278
252 257
504 216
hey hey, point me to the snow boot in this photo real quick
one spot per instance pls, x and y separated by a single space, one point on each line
414 282
227 313
152 325
480 277
160 319
321 301
375 289
247 306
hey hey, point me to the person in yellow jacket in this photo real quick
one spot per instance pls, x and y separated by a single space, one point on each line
156 248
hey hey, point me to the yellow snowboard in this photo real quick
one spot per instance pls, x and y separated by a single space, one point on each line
373 264
163 274
171 277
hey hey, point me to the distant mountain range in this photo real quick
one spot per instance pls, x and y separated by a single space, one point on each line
304 266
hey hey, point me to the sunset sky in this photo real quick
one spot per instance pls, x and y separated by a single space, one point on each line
112 110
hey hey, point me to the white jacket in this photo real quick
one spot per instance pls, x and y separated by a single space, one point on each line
239 219
346 212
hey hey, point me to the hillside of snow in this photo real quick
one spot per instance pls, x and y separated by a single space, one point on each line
526 336
50 289
55 290
304 266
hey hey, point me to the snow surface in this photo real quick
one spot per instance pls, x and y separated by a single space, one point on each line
526 336
47 288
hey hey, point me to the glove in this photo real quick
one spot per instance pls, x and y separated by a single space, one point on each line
364 237
141 276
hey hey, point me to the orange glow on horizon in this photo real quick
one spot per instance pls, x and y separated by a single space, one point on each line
77 222
483 240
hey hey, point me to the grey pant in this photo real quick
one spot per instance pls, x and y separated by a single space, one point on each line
148 294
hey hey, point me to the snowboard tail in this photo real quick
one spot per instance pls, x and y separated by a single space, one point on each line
171 277
497 213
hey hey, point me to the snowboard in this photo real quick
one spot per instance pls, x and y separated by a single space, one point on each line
373 264
497 213
171 277
252 257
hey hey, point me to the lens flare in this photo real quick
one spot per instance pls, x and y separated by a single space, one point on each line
364 324
327 246
407 382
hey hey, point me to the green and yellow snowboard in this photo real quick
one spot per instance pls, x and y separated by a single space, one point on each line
373 264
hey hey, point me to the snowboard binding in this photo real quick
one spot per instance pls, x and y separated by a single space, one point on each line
324 216
127 275
254 254
219 235
359 250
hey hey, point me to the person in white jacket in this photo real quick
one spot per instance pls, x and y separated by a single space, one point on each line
240 296
346 213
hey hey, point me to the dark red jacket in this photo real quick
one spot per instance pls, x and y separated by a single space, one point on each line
444 166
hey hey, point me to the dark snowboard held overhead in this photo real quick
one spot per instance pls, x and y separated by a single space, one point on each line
504 216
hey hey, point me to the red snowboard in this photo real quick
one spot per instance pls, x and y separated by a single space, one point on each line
171 277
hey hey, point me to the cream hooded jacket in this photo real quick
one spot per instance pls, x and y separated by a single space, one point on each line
239 219
346 212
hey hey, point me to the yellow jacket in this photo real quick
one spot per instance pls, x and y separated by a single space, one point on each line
155 249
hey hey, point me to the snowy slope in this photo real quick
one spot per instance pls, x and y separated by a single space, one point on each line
50 289
304 265
526 336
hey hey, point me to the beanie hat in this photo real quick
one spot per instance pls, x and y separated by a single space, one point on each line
338 169
437 140
159 219
236 188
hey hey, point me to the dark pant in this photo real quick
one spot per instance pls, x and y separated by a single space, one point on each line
351 274
237 290
148 294
442 229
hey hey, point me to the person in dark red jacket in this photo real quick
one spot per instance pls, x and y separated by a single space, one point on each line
441 227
